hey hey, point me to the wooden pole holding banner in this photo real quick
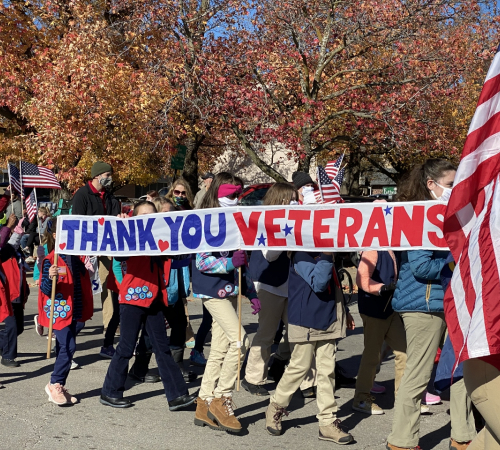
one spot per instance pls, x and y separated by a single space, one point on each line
239 329
51 318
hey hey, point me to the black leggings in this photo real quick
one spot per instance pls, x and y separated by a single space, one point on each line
33 240
206 325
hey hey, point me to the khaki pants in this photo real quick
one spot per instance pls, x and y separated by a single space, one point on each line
376 331
300 363
482 381
273 309
463 425
222 364
107 303
424 332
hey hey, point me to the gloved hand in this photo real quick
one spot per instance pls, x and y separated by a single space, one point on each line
239 258
255 305
388 288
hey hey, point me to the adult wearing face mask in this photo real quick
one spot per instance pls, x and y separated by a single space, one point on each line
418 299
94 199
303 183
180 195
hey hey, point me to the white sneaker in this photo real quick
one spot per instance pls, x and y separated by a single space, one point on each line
424 409
38 328
74 365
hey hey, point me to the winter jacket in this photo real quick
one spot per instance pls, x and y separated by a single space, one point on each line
419 285
16 207
88 203
178 285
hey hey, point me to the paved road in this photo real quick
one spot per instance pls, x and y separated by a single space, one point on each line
28 420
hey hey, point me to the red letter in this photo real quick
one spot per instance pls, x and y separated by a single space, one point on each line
351 230
412 227
432 216
249 233
273 228
377 219
319 228
299 216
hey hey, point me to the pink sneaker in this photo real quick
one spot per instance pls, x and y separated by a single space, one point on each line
69 397
56 394
377 389
430 399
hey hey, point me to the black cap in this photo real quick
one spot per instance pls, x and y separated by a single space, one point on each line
300 179
207 176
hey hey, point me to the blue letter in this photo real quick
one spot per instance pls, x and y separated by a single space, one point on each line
174 231
70 226
145 235
191 241
129 236
108 238
215 241
89 237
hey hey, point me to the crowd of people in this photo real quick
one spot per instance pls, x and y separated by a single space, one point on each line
400 301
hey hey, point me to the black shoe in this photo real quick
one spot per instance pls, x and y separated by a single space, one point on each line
277 369
309 392
189 376
254 389
150 377
10 362
341 379
115 402
183 401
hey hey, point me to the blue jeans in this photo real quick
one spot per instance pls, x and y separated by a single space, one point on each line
65 349
14 326
132 319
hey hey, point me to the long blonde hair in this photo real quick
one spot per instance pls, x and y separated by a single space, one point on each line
280 194
185 185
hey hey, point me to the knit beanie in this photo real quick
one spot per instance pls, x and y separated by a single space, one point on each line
300 179
99 168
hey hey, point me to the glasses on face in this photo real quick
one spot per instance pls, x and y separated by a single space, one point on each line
179 193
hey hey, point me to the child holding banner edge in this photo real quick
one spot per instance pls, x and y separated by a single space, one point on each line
215 278
73 304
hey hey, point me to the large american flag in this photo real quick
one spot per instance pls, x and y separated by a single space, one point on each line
472 231
327 191
332 168
14 177
38 176
31 207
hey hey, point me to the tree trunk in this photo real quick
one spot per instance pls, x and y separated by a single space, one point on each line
352 177
190 172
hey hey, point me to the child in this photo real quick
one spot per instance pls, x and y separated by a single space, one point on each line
215 280
143 294
15 271
316 319
73 305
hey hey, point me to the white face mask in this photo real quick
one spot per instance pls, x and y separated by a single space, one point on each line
445 196
225 202
294 202
307 189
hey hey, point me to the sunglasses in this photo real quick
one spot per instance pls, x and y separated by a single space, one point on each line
179 193
233 196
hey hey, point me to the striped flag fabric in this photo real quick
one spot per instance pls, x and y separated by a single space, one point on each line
472 231
327 191
14 177
339 179
31 206
332 168
38 176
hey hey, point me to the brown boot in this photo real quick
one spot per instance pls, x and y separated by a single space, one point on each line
200 416
393 447
335 433
454 445
221 411
274 413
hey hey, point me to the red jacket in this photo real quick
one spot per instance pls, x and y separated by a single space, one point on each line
143 281
63 304
13 273
5 303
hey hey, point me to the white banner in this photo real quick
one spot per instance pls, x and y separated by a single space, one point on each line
344 227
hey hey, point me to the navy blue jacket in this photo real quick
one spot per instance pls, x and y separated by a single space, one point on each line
273 273
311 290
379 306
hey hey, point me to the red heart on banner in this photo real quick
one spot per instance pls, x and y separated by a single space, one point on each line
62 246
101 221
164 245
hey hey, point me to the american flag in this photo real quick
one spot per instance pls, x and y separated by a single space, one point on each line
31 207
472 231
339 179
327 191
14 177
38 176
332 168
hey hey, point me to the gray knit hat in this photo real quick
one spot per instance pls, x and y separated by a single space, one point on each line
99 168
